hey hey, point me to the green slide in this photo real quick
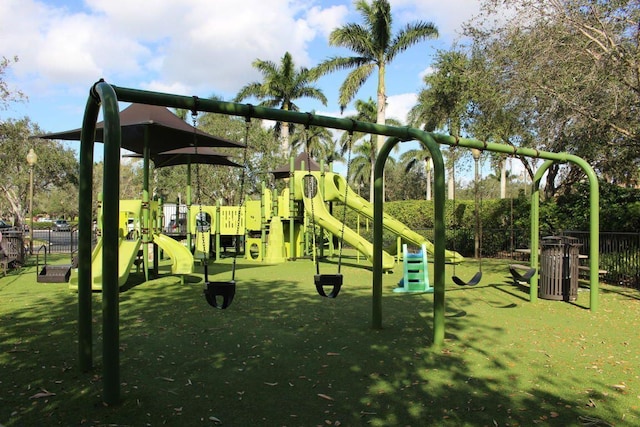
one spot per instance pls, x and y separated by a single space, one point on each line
181 257
127 253
363 207
315 206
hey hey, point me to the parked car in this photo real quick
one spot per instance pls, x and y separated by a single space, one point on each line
61 225
4 225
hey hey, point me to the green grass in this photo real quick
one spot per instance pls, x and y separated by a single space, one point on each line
283 356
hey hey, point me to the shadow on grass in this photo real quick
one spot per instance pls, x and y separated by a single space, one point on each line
281 355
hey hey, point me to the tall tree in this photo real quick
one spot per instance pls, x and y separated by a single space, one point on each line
365 112
374 46
572 68
419 159
8 94
56 167
443 103
316 140
281 86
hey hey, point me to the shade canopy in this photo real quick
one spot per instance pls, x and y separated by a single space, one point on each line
188 155
166 131
309 164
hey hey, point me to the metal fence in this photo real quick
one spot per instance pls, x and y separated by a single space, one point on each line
619 256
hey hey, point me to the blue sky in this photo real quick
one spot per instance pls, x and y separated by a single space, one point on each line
194 47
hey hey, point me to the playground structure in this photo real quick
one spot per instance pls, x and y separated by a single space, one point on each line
131 245
273 230
105 96
275 226
415 277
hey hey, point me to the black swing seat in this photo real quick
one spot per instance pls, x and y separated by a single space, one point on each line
521 277
322 280
474 280
226 290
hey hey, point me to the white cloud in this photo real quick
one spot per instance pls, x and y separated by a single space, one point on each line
448 16
325 20
398 106
193 44
426 72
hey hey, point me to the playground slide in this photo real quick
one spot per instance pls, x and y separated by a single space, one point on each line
127 253
363 207
325 220
181 258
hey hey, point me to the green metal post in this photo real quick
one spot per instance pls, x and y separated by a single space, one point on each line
189 202
292 208
535 229
85 330
146 226
439 229
111 209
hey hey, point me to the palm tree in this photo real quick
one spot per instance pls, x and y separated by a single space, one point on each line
365 112
419 157
374 46
443 103
316 140
361 168
282 84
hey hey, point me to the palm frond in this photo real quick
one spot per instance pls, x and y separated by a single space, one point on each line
354 81
410 35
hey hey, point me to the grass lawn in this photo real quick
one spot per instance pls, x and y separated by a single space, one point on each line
283 356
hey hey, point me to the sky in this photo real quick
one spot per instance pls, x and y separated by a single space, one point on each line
195 47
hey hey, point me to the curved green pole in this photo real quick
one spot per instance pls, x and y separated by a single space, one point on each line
111 209
189 203
535 228
594 228
439 233
85 330
293 247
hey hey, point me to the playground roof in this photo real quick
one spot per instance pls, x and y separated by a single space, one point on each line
166 131
187 155
309 164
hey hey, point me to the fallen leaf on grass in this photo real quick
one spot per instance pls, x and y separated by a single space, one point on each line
271 384
619 387
333 354
43 393
324 396
167 379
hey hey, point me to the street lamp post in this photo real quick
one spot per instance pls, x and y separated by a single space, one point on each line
32 158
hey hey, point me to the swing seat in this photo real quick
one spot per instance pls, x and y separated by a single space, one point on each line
521 277
226 290
322 280
474 280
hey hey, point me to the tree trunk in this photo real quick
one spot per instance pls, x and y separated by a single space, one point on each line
503 179
284 139
381 120
427 166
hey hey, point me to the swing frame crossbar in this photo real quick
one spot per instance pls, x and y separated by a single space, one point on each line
105 96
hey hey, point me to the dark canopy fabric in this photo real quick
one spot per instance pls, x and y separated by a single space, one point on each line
166 131
283 171
187 155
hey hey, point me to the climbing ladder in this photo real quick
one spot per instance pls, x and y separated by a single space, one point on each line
416 273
